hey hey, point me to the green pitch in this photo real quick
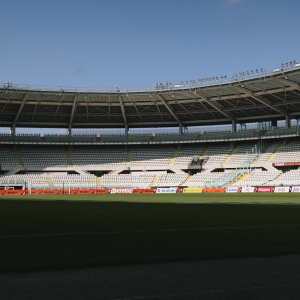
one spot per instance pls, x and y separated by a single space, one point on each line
73 231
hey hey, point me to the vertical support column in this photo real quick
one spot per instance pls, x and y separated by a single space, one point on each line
13 130
180 129
70 130
126 130
233 126
287 122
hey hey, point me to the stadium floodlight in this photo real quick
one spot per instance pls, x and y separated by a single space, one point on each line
282 66
217 78
225 77
252 72
257 71
187 82
287 64
243 74
294 62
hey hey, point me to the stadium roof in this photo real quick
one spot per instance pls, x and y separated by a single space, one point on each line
241 98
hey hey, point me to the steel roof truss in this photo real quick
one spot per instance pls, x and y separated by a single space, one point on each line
216 105
170 109
262 100
123 110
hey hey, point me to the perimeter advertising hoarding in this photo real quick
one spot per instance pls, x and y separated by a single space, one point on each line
264 189
285 164
121 191
296 189
166 190
192 190
282 189
232 190
249 189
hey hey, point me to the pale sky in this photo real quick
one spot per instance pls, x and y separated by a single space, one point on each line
139 43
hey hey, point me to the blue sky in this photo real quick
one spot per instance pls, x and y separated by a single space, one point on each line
139 43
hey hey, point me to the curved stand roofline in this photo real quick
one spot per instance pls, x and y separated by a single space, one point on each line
251 97
161 87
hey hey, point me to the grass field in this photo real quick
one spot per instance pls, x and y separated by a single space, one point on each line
73 231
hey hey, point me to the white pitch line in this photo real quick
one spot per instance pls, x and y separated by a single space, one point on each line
144 231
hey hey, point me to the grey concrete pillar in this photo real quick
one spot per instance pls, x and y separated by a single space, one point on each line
180 129
287 122
126 130
233 126
70 131
13 130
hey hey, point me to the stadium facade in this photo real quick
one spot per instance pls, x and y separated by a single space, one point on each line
167 160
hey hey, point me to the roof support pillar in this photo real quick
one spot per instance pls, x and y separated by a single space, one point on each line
287 122
13 130
124 115
72 115
180 129
13 127
233 126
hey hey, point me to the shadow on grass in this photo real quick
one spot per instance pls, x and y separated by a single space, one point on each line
44 235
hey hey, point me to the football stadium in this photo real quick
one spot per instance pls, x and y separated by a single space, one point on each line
198 170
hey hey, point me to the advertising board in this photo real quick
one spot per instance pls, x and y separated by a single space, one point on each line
192 190
232 190
143 191
170 190
282 189
248 189
285 164
101 191
121 191
214 190
264 189
296 189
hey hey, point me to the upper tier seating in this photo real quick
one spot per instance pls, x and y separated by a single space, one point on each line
43 156
216 154
185 157
263 157
7 157
289 153
243 154
171 180
98 156
151 156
